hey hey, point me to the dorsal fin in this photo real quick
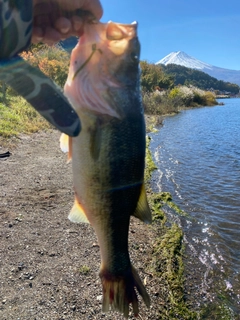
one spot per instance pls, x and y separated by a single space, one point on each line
77 213
143 211
66 145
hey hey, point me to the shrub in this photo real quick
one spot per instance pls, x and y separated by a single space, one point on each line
52 61
166 102
210 98
157 103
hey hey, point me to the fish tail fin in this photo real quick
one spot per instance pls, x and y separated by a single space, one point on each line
119 292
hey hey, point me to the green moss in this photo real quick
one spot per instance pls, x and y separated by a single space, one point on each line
166 198
167 257
156 205
216 312
168 266
149 163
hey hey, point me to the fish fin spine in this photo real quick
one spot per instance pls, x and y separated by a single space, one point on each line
69 149
77 213
143 211
120 291
66 145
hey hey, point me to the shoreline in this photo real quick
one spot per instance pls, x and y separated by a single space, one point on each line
47 257
202 303
161 265
154 120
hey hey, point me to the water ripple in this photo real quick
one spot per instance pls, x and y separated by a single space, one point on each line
198 158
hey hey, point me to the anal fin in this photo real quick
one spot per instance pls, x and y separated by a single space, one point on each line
77 213
143 211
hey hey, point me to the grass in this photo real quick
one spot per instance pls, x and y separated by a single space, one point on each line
84 270
16 117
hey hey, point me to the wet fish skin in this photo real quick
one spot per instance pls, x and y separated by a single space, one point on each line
108 156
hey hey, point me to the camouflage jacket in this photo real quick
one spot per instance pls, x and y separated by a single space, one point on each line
29 82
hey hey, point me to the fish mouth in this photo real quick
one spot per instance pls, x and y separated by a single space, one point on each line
119 31
101 63
112 36
119 36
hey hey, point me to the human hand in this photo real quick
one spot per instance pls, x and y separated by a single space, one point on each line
55 20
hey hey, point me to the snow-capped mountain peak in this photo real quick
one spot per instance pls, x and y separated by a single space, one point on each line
183 59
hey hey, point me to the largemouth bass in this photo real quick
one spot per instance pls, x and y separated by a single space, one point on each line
108 156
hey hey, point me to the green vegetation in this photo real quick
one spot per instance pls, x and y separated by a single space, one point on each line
52 61
153 77
187 76
150 165
16 116
161 97
19 117
168 266
217 311
84 270
171 101
167 258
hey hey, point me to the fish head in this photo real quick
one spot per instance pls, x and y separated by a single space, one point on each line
104 62
123 51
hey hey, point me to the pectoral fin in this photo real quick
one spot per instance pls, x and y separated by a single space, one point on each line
77 213
143 211
66 145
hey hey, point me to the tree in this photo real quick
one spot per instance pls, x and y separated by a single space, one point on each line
152 76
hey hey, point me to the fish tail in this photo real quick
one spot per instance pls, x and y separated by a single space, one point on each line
119 291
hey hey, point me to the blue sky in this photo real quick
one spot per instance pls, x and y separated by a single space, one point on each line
207 30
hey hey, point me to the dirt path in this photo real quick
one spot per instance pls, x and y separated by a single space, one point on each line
48 265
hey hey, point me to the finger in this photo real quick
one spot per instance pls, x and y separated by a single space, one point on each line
37 35
51 36
93 6
70 5
71 33
63 25
42 8
77 23
42 21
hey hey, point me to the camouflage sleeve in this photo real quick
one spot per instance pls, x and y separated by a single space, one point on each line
40 91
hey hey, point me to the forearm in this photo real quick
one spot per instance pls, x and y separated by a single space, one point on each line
15 27
27 81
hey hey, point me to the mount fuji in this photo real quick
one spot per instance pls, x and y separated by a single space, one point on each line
183 59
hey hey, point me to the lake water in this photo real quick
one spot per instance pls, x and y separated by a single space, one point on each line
198 156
